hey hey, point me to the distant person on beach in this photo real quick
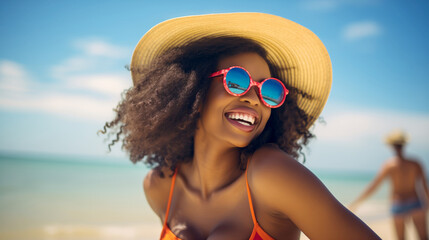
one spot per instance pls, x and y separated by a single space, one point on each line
409 190
221 108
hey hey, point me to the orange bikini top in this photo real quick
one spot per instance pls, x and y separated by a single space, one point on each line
257 234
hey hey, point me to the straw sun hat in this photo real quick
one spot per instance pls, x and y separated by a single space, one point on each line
298 52
397 137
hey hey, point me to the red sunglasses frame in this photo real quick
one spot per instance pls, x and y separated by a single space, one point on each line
252 83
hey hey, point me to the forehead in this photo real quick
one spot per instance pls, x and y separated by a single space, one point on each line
252 62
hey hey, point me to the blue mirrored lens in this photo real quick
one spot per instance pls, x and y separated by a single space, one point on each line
237 80
272 92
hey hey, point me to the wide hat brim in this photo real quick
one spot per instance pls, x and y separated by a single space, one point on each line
397 137
302 58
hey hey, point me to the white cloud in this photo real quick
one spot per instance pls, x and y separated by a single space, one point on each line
93 54
359 30
72 106
108 84
86 86
13 77
353 139
98 47
354 126
73 65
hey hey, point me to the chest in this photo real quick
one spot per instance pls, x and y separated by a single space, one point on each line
225 216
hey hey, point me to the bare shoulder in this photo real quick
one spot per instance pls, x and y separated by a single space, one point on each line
273 174
285 188
416 164
269 160
390 164
156 185
154 179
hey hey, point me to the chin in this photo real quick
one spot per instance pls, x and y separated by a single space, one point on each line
242 141
241 144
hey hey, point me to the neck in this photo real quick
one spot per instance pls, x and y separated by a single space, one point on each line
399 152
214 167
399 155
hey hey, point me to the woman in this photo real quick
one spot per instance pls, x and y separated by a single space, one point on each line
408 200
208 112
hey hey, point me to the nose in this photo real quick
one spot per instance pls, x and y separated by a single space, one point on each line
251 97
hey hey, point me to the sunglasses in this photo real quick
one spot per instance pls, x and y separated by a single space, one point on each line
237 82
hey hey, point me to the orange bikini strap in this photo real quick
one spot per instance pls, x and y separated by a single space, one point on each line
249 196
173 180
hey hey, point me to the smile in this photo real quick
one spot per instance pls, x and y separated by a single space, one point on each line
243 118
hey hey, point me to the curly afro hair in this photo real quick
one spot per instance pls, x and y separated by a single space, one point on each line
172 89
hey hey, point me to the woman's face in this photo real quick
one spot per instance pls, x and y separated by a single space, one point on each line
236 120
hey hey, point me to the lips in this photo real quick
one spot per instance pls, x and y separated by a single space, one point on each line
244 119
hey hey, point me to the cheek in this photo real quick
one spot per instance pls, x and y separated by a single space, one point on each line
213 106
216 97
266 115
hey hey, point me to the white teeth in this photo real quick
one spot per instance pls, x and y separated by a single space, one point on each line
244 117
245 123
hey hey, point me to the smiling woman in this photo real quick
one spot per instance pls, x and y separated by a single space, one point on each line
183 82
220 108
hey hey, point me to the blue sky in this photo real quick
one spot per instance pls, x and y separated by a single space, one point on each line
62 72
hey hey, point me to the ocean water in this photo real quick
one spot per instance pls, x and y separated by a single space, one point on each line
48 197
66 198
347 186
